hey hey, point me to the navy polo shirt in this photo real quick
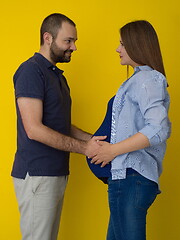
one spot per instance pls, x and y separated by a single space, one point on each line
38 78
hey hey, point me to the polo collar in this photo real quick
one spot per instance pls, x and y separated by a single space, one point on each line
48 63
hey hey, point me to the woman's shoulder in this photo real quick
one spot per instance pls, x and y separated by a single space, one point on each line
150 76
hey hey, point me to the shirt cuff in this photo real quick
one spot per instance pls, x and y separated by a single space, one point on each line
151 132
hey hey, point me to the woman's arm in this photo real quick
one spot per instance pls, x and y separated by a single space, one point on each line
108 151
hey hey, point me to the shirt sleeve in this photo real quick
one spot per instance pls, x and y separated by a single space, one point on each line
153 100
29 81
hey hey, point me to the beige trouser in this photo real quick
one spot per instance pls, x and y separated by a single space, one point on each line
40 201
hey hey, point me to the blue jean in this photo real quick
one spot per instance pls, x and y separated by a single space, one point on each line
129 200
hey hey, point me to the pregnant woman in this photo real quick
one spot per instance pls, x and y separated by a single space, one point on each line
137 127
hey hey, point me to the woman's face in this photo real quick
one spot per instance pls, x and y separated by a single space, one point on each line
125 59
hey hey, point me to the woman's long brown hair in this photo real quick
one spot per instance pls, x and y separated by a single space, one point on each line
141 43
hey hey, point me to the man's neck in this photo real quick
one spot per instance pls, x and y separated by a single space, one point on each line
45 53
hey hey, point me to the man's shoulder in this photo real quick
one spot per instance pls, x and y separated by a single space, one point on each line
33 64
29 79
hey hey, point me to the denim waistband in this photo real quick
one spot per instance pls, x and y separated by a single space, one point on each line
129 171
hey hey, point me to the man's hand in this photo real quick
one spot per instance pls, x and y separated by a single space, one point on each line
104 154
93 146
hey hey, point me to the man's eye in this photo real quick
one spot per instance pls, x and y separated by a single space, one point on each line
68 41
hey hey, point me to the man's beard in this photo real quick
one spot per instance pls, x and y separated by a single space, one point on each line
59 55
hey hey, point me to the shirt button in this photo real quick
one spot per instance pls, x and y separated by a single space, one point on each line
54 68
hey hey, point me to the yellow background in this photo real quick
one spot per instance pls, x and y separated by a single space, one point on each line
94 75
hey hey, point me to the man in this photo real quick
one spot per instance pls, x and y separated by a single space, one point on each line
45 133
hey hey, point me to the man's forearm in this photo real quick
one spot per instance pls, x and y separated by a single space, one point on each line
80 134
54 139
57 140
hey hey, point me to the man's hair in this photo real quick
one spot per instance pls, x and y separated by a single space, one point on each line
52 24
141 43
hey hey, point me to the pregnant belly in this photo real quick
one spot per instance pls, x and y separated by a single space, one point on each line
97 170
104 130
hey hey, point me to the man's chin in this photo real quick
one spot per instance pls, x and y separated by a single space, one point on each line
67 59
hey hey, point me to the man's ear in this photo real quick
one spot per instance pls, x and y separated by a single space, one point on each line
47 38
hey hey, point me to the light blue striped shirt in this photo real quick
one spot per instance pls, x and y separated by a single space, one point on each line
141 105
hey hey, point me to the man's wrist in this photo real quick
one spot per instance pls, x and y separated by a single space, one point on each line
82 147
